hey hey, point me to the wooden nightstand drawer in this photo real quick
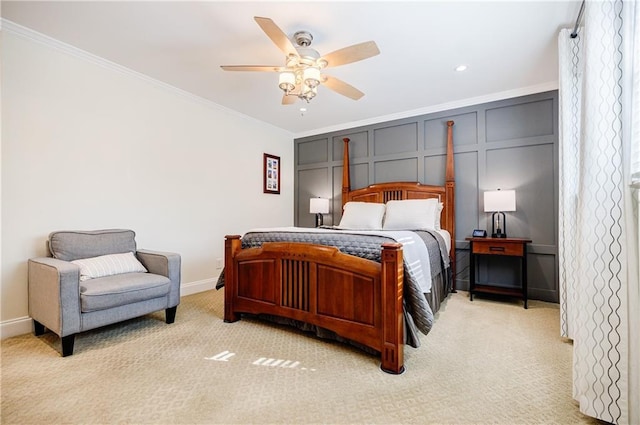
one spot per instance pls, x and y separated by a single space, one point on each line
498 248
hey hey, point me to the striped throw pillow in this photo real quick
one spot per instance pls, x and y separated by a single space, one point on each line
108 265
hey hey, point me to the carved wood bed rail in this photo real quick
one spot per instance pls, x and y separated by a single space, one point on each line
356 298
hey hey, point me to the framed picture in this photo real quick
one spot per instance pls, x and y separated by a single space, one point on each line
271 174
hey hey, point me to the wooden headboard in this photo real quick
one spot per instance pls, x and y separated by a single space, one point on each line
383 192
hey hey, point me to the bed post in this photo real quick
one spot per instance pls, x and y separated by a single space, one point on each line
392 354
450 191
346 180
232 246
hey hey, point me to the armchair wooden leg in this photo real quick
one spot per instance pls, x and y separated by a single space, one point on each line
38 328
171 314
67 345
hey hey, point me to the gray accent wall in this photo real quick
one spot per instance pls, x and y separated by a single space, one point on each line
508 144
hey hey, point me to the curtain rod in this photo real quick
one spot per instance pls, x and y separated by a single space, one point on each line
574 34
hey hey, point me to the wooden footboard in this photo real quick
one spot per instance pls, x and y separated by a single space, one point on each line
358 299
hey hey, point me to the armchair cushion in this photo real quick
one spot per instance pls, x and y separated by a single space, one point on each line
121 289
107 265
72 245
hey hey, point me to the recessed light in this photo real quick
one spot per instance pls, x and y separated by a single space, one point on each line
303 109
461 68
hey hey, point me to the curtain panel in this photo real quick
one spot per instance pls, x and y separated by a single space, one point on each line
598 214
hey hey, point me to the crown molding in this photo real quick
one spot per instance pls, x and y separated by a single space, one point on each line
492 97
37 37
29 34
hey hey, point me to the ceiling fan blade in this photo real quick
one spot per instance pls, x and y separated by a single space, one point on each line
350 54
289 100
342 88
276 35
259 68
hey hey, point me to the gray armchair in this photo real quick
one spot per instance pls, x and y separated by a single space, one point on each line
78 289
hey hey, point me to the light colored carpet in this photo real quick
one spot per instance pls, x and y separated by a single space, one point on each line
485 362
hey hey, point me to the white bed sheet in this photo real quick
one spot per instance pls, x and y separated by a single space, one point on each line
447 239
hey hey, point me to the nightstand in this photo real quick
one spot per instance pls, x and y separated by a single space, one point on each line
511 247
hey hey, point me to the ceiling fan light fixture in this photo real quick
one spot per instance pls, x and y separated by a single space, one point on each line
301 76
308 92
311 77
287 81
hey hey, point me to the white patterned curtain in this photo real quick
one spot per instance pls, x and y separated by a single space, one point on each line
598 208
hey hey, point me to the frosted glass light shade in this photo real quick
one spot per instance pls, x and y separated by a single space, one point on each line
287 81
319 206
499 200
311 77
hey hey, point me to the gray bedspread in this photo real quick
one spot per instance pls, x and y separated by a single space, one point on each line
417 312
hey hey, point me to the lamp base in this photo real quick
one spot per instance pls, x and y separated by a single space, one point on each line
319 220
498 226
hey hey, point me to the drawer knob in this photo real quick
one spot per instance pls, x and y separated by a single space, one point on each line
496 248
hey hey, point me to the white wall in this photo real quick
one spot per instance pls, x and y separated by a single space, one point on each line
86 145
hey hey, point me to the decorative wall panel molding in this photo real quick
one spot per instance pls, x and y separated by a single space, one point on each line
511 144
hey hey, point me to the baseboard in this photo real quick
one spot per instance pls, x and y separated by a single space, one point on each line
197 286
24 325
15 327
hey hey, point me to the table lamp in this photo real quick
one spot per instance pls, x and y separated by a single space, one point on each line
497 202
319 206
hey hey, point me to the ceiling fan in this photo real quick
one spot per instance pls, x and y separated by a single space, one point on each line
302 73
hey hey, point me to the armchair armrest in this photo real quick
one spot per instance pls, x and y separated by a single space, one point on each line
54 294
166 264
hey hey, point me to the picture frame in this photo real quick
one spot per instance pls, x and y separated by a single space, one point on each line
271 176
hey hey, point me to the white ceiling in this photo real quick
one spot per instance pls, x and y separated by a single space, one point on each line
510 48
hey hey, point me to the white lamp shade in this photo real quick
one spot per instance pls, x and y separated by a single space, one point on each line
287 81
319 206
499 200
311 77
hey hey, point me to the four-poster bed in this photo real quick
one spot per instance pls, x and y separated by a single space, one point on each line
356 298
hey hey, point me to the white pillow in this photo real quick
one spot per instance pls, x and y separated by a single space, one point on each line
108 265
411 214
362 216
438 216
